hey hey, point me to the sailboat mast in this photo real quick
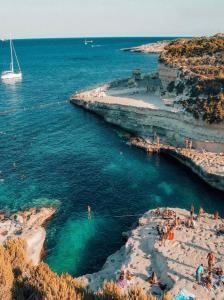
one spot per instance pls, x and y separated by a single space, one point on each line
13 48
12 63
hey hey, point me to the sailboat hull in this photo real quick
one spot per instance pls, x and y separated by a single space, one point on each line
11 75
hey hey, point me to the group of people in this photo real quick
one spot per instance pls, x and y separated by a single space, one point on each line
188 143
212 278
215 276
166 229
171 221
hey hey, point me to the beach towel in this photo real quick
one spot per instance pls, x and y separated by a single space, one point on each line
185 295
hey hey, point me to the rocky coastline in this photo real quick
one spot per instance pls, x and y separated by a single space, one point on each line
174 260
29 226
144 114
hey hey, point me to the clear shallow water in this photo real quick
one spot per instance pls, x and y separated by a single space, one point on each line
67 156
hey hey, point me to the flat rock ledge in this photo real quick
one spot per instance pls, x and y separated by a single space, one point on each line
209 166
149 48
27 225
175 263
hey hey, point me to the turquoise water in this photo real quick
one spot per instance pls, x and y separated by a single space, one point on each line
69 157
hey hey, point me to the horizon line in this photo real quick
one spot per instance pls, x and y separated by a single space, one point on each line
99 37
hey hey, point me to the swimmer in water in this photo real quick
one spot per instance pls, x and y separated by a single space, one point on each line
89 212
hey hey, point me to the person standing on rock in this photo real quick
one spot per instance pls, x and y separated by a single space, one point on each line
199 273
186 142
211 260
192 211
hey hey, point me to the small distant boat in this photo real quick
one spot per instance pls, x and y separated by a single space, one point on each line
88 42
11 74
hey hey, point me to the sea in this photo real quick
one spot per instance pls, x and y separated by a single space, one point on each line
54 153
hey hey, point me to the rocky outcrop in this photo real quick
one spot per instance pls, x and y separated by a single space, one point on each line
174 262
145 116
28 226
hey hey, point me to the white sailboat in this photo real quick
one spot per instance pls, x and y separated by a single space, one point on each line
11 74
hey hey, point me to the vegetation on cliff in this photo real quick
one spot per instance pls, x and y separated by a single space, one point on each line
20 280
201 62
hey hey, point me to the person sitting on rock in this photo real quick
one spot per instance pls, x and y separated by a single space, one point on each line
177 222
157 212
189 222
121 281
129 277
193 223
218 271
220 231
170 235
153 279
209 281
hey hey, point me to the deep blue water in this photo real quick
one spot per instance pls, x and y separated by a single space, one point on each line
69 157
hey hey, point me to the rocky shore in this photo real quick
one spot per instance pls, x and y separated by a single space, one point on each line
174 262
27 225
207 165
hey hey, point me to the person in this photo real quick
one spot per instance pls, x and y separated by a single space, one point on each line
121 281
129 277
200 213
220 231
211 260
192 211
164 235
209 281
89 212
190 144
199 273
193 223
170 235
157 211
160 230
189 222
216 215
219 271
153 279
186 141
177 222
